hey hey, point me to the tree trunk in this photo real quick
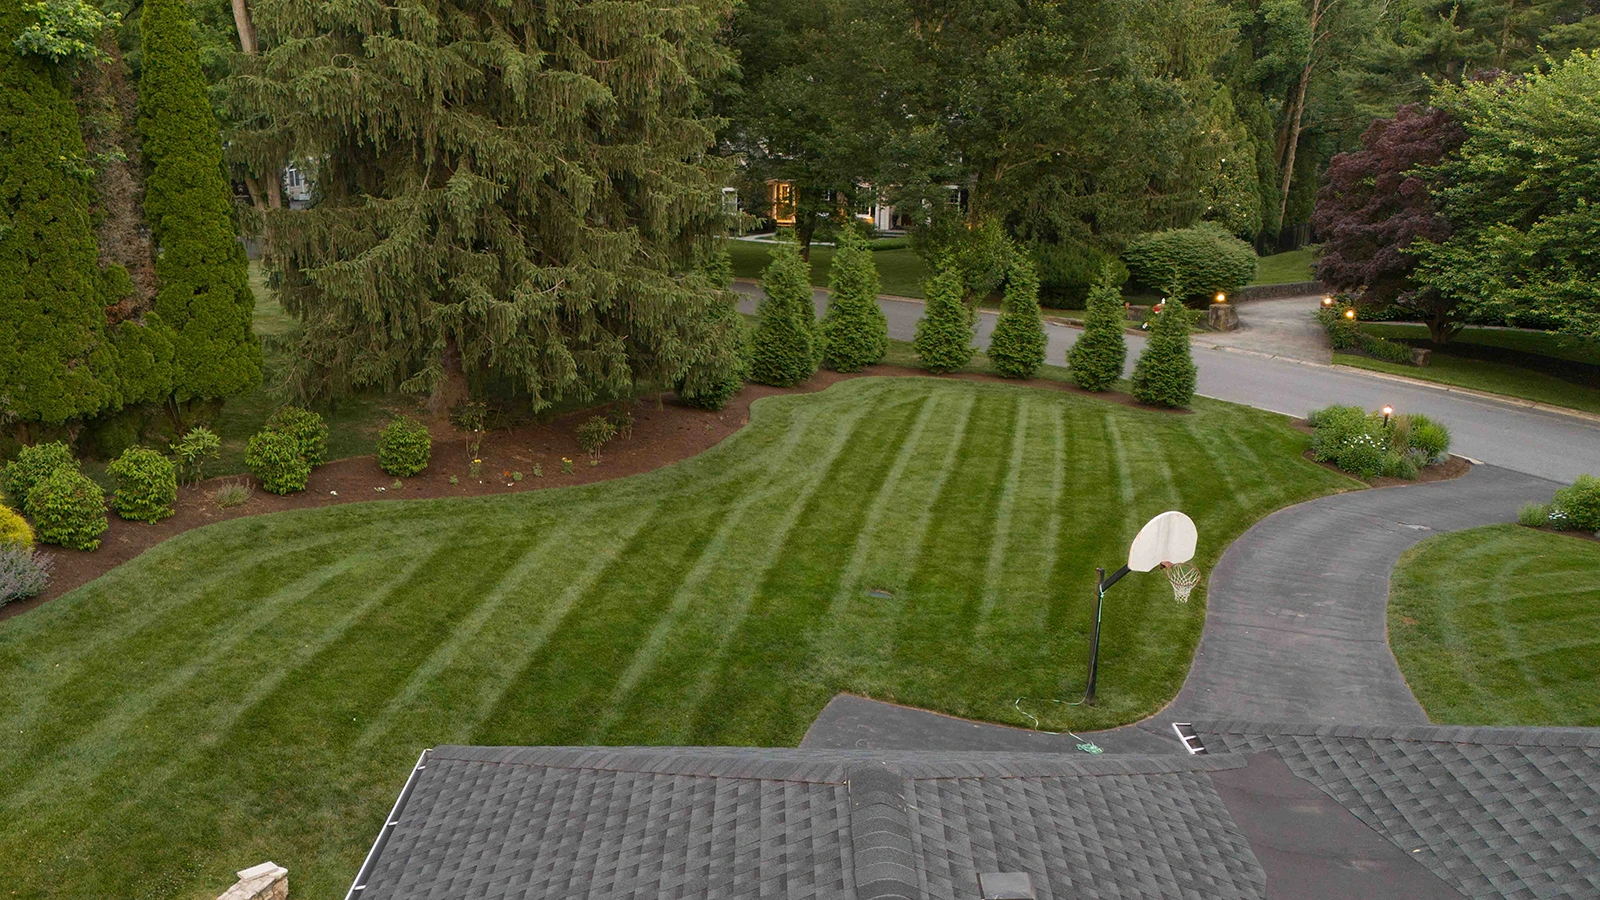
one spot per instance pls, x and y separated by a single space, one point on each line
1292 138
805 225
452 390
247 29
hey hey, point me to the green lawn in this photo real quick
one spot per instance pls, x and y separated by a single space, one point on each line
1540 343
1500 626
900 271
258 689
1484 375
1284 268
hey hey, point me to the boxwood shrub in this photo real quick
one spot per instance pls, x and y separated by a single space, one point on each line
275 458
404 447
31 466
310 433
147 485
1196 262
68 509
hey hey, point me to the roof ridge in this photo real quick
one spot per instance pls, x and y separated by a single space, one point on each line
1508 735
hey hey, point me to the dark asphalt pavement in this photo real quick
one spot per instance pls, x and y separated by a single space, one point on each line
1535 442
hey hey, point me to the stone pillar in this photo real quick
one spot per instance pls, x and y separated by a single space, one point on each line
1420 356
1222 316
268 881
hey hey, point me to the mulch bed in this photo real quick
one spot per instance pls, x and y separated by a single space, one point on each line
1454 467
662 434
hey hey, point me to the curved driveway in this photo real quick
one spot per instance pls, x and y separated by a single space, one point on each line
1546 444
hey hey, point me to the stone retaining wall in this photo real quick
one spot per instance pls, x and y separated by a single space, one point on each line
1278 291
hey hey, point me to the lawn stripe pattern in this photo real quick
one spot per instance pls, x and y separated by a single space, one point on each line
258 689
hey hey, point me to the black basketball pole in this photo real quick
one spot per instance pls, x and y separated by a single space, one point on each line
1102 584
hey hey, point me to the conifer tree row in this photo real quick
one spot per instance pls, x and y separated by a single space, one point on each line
512 192
943 340
203 292
1100 352
854 331
783 349
1016 349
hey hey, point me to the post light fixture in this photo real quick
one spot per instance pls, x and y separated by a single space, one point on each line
1387 412
1350 314
1327 300
1220 298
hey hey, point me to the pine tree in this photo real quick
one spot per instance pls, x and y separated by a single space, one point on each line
510 194
204 287
1097 358
717 364
854 331
782 349
1016 349
1165 373
56 359
944 333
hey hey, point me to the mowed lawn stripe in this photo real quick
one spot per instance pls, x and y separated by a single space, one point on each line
1000 542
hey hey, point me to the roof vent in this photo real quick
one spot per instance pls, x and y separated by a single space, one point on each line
1006 886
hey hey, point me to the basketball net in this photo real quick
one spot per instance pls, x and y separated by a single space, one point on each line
1184 578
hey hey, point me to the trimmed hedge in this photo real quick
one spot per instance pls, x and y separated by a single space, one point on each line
147 485
275 458
306 428
943 340
404 447
68 509
1578 505
14 530
31 466
1194 262
1016 349
1165 374
854 332
1096 360
1344 333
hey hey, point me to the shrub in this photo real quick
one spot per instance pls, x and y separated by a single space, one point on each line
1165 374
1380 348
1534 515
622 418
718 361
1069 273
1341 329
14 530
943 339
1332 427
1016 349
1102 350
68 509
33 465
1399 465
783 350
24 573
1193 262
147 485
309 432
1579 504
1358 442
1362 454
194 448
593 434
275 458
1430 439
234 493
853 333
404 447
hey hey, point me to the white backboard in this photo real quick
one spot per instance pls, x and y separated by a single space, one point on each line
1168 538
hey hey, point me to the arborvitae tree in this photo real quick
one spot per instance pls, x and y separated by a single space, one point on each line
508 193
944 333
854 331
204 286
1016 350
1098 356
1165 373
782 350
717 362
56 360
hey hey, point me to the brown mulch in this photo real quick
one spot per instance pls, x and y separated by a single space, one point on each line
1454 467
661 436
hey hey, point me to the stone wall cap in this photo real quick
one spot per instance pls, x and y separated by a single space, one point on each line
266 869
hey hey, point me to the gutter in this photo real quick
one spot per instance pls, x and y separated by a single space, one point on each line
389 824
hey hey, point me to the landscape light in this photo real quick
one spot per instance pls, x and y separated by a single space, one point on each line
1387 412
1220 298
1327 300
1350 314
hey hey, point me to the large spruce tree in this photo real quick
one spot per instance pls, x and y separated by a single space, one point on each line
513 192
203 291
56 360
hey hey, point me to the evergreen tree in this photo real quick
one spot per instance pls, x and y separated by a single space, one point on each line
1165 373
944 333
204 292
1098 356
56 360
854 332
782 348
1016 350
509 193
717 364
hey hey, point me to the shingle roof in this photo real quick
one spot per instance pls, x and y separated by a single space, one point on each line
1495 812
492 823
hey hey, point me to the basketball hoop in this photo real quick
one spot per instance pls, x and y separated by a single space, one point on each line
1184 578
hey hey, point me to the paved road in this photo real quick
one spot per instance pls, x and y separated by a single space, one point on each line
1545 444
1296 626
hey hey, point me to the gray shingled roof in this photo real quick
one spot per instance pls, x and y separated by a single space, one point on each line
1494 812
493 823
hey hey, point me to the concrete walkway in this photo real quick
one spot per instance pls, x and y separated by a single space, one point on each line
1296 626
